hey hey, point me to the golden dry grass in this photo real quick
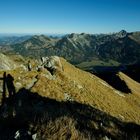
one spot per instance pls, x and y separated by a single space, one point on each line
85 88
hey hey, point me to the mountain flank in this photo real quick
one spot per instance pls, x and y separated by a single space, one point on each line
54 99
81 86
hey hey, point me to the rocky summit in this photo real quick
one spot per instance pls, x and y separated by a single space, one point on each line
49 98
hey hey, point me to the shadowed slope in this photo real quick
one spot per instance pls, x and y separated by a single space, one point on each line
133 85
76 85
52 119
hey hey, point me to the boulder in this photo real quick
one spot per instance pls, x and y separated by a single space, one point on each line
52 63
68 97
32 83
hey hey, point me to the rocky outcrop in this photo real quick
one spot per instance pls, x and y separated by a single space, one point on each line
122 34
51 63
6 63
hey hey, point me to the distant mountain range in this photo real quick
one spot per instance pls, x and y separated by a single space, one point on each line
10 40
85 50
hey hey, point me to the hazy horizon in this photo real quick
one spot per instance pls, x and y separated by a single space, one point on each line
53 34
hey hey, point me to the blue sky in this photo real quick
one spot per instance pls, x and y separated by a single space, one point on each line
67 16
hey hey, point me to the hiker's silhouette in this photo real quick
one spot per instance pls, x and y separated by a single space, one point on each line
4 87
10 85
29 66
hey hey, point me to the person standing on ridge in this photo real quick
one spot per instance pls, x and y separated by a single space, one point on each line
29 66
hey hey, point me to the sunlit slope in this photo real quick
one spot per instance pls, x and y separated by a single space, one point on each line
74 84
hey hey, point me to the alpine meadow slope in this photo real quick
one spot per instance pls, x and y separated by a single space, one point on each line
68 103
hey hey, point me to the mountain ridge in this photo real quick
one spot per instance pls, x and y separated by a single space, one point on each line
121 47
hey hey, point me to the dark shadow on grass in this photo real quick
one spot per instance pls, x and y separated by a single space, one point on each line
114 80
31 108
109 74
